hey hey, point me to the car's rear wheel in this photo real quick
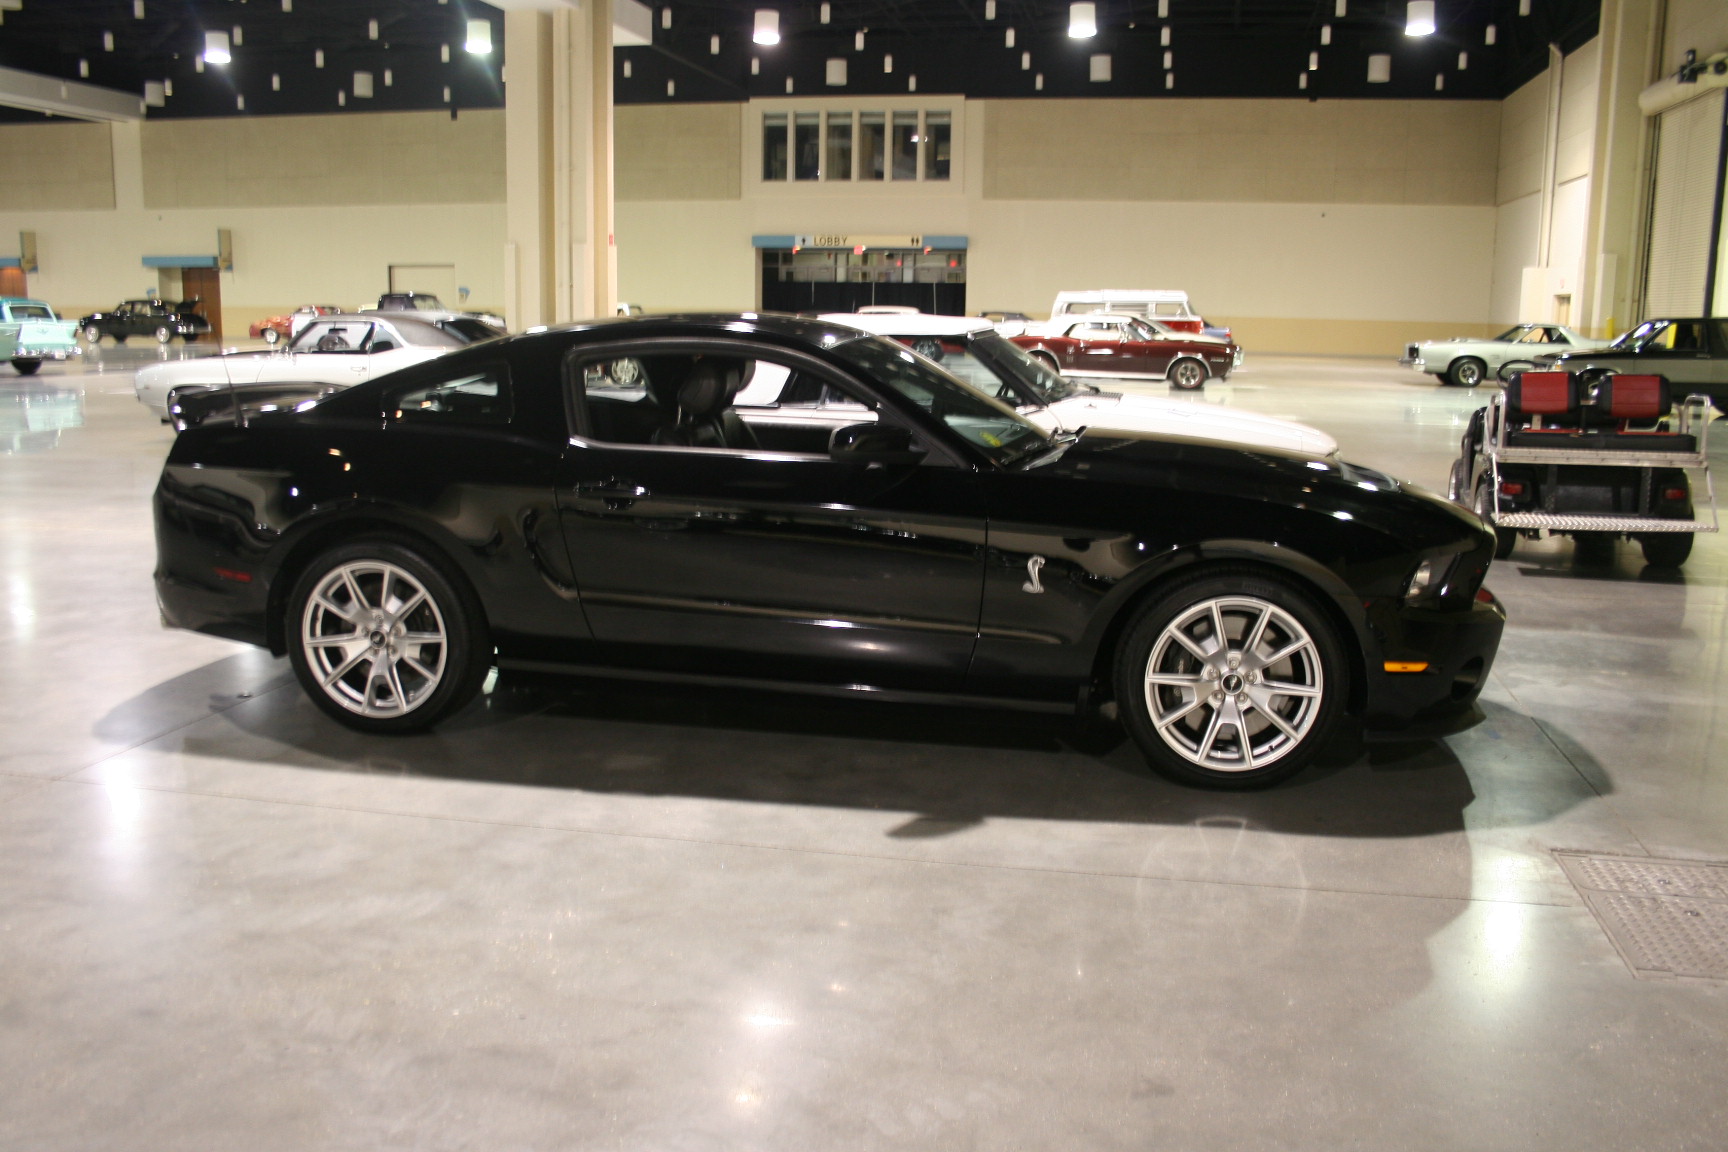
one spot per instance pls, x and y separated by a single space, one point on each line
1232 679
1047 360
164 334
1665 549
271 336
1466 372
92 334
25 366
383 639
1187 374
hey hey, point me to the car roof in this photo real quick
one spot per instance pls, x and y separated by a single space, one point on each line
910 323
780 324
1108 295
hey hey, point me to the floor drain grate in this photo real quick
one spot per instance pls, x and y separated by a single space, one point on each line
1666 917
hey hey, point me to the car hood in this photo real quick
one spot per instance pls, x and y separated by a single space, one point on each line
1352 493
1107 410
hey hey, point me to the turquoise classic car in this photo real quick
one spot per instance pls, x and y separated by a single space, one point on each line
30 333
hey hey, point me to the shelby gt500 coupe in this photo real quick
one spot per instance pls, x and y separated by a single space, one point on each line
590 499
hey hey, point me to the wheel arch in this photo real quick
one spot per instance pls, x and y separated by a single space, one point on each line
306 542
1330 595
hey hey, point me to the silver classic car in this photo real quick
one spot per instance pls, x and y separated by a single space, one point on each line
1467 361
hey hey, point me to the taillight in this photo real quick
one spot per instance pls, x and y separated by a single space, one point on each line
1512 487
1673 493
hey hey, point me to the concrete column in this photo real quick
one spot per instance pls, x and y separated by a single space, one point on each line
559 250
1631 32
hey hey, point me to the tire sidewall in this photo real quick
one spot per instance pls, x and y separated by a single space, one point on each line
1455 376
1150 622
164 334
470 649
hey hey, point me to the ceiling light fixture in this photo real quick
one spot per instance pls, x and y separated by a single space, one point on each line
788 85
1082 20
237 36
665 17
240 103
888 62
371 29
1302 80
318 58
1164 36
216 48
912 82
1463 61
155 95
84 68
1419 18
1169 61
1342 7
1488 34
287 5
989 9
627 72
363 85
1163 9
858 41
1379 68
755 66
479 39
389 78
836 71
1325 33
1038 82
1025 61
1098 68
1313 61
107 41
275 81
826 15
767 27
1523 7
1439 81
1008 38
444 53
1169 81
714 45
671 87
137 9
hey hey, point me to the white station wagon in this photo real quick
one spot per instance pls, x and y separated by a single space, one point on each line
1466 361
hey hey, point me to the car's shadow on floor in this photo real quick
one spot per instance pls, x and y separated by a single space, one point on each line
952 767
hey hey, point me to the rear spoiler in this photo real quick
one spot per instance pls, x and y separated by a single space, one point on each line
238 404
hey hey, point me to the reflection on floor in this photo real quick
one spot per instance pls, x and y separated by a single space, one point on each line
605 915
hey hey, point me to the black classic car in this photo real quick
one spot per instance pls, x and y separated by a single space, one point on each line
588 499
154 318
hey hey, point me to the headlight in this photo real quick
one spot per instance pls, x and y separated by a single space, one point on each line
1428 578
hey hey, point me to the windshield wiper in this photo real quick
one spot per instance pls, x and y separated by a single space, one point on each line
1053 449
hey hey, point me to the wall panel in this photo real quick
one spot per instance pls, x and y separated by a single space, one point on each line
55 166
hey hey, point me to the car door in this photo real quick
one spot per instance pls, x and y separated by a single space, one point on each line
1679 350
744 561
1098 347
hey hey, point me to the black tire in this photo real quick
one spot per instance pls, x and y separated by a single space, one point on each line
1457 480
420 689
92 334
1190 746
163 333
1506 371
1505 539
271 336
1466 372
1665 549
1186 374
1048 361
25 365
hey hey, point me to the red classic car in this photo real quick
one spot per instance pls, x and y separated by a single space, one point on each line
1105 344
279 328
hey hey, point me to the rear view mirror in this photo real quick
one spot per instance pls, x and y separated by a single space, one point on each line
873 444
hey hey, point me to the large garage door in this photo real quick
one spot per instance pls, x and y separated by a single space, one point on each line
1688 145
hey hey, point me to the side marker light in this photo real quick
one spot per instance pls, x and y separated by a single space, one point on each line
1406 665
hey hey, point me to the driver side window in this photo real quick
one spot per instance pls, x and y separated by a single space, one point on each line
711 400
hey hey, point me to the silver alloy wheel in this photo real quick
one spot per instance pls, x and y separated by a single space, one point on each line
271 336
1187 374
93 334
1234 684
374 638
164 334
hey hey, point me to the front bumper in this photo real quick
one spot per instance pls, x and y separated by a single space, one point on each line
1458 648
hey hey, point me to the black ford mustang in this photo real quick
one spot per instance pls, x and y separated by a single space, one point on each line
591 498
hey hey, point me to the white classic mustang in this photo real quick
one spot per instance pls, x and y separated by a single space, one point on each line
1468 360
335 350
973 350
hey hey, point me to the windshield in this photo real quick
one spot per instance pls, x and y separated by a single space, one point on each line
1640 335
468 329
1022 378
31 312
997 430
1510 334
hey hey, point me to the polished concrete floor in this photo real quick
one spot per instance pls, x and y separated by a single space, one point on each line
595 916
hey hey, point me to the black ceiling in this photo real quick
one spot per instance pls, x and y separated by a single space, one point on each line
1219 48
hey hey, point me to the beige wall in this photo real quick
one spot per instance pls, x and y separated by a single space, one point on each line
1255 151
677 151
1701 25
296 242
290 161
55 166
1389 239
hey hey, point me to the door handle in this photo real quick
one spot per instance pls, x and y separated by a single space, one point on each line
618 494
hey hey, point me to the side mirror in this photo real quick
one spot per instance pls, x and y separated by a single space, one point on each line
867 444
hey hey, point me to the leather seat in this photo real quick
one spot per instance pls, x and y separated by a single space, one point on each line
701 411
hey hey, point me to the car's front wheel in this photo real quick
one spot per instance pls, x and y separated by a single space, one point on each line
1048 361
1232 679
271 336
92 334
164 334
25 365
1466 372
383 639
1187 374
